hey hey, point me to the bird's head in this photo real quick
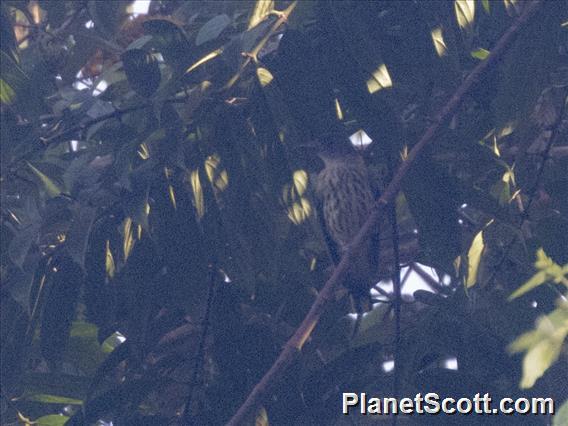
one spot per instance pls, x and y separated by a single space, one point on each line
335 146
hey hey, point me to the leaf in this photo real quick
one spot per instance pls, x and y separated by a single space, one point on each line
212 29
551 232
57 384
261 9
264 76
18 88
170 41
7 37
109 261
84 351
438 40
486 6
536 280
7 94
474 258
107 16
204 59
77 237
50 186
542 345
480 53
433 194
465 12
548 270
64 284
537 360
21 243
142 71
561 416
52 419
52 399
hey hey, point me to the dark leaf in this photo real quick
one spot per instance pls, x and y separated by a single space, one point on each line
212 29
78 234
142 71
63 287
107 16
551 232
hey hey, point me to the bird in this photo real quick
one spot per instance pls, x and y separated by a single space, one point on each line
346 200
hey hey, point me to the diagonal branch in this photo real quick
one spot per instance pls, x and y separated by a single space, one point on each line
293 347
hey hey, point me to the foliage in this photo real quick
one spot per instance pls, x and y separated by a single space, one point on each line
544 344
160 240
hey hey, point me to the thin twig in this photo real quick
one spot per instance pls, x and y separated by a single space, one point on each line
531 192
397 288
200 354
294 345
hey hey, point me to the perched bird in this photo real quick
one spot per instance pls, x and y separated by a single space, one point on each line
346 201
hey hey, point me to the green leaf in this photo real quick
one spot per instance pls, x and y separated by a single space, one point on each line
537 360
480 53
52 399
50 186
52 419
536 280
486 6
548 270
212 29
542 345
7 94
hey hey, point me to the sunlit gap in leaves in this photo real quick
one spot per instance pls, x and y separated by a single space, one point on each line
360 140
450 363
388 365
412 282
139 7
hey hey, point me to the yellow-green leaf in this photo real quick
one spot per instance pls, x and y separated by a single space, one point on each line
52 420
537 360
204 59
338 110
128 241
264 76
474 258
50 186
7 94
109 261
198 200
560 418
536 280
480 53
261 9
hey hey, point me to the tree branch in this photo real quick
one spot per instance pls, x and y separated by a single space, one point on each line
294 345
